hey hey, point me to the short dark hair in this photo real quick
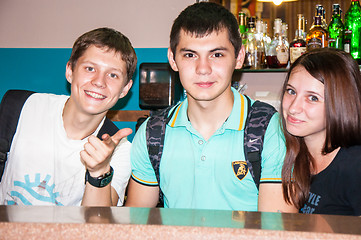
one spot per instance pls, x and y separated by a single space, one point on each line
204 18
109 39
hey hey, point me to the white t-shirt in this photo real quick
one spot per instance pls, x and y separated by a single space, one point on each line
44 166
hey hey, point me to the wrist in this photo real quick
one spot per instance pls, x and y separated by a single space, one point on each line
100 181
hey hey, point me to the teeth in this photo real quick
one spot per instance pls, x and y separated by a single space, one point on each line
95 95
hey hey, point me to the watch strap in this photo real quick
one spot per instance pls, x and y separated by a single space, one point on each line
100 181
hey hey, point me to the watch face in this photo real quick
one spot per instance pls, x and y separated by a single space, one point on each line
106 181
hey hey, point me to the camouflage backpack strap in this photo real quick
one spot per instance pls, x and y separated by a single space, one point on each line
258 118
155 135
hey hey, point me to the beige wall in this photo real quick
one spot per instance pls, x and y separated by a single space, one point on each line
57 23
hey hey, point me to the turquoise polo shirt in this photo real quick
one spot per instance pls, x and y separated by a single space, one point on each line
213 174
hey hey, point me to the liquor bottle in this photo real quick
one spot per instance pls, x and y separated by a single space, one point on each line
278 52
250 43
320 11
352 41
284 33
317 37
266 40
323 20
260 57
298 45
336 28
242 22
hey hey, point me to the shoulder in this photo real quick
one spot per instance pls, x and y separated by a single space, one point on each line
45 99
353 150
351 155
139 140
347 163
42 104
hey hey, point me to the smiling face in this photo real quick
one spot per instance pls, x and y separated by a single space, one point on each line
205 64
98 80
304 106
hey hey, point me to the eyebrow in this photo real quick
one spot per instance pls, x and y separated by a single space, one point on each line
95 64
310 92
213 50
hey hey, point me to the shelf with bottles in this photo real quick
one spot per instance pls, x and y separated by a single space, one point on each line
278 50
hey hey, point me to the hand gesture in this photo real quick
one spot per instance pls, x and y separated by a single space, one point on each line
97 153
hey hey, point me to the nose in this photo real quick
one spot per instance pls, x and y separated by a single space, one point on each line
99 80
296 105
203 66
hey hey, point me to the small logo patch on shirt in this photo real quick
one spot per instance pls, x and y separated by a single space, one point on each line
240 169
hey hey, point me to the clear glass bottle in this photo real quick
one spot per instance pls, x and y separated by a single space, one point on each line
336 28
298 45
250 44
284 33
352 39
278 52
317 37
260 56
266 41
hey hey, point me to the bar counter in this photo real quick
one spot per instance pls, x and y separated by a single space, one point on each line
28 222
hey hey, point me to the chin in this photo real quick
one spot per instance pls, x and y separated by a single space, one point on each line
295 132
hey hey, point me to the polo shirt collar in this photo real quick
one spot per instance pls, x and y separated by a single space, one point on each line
235 121
237 118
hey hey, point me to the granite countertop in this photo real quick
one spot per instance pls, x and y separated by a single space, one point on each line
28 222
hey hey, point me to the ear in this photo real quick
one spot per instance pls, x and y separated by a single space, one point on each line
171 60
126 89
240 58
69 73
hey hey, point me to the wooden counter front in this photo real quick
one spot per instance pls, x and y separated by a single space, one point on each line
28 222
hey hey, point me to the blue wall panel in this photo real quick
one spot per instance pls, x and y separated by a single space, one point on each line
43 70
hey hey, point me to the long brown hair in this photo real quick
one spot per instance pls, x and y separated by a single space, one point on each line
341 77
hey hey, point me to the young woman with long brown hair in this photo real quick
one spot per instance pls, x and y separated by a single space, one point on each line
321 119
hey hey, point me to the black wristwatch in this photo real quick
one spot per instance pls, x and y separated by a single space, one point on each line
100 181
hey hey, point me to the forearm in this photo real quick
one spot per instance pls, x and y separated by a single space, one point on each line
94 196
270 199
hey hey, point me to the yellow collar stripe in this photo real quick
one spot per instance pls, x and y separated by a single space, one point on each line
242 114
176 114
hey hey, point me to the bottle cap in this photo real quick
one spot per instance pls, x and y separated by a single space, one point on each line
336 9
251 22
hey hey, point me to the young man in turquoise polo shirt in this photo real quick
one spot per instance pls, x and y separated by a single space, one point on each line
204 138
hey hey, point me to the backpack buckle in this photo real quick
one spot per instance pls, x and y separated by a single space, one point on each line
4 149
3 157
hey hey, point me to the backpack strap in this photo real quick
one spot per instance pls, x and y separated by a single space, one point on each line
155 135
10 109
108 127
258 118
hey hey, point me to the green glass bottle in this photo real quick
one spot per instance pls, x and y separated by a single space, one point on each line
336 28
242 22
242 26
352 39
